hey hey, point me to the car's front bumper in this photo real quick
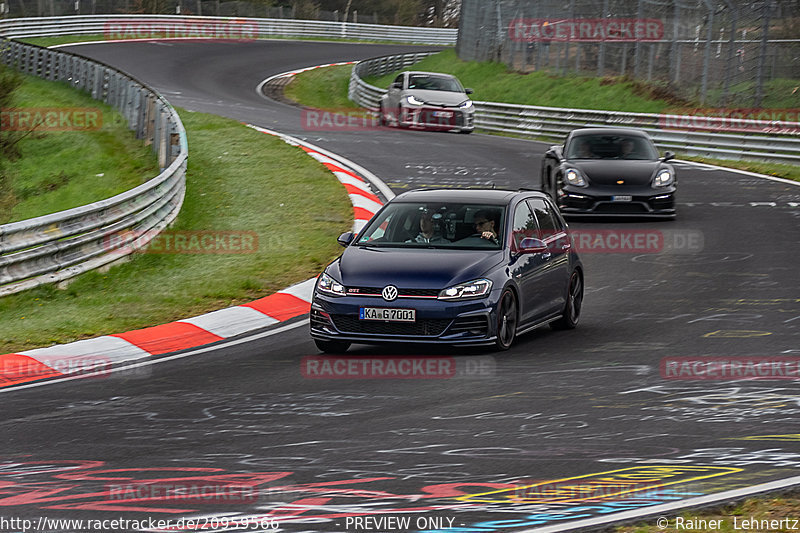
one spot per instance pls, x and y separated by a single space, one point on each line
430 117
604 201
470 322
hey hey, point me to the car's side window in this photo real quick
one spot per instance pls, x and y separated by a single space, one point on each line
524 224
399 79
549 223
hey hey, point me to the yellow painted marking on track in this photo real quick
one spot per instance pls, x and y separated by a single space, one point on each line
789 437
601 485
737 333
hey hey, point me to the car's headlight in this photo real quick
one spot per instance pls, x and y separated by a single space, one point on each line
328 285
463 291
574 178
663 178
413 100
466 105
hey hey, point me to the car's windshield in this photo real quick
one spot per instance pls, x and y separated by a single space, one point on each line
436 225
595 146
434 83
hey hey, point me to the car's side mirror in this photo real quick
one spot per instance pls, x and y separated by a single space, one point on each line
345 238
531 245
397 85
468 91
667 156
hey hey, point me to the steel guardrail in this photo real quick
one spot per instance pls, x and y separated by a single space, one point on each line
778 141
236 28
58 246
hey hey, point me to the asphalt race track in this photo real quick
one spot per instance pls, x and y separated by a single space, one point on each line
490 442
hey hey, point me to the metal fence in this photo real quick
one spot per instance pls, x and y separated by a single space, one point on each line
716 137
723 53
58 246
242 29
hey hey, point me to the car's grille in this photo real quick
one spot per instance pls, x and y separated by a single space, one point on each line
475 325
621 207
403 293
420 328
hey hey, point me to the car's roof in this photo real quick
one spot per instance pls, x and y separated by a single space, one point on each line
488 196
608 131
439 74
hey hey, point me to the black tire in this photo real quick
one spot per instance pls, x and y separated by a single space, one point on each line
506 320
332 346
548 183
465 132
572 307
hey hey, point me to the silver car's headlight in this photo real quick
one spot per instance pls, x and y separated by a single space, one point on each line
328 285
463 291
663 178
466 105
574 177
413 100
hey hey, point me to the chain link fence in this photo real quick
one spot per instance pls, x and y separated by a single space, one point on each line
709 52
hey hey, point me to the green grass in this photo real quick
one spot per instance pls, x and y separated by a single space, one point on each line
779 93
779 508
493 82
322 88
791 172
61 170
62 39
238 179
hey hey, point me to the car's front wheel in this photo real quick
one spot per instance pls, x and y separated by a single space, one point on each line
332 346
572 307
506 320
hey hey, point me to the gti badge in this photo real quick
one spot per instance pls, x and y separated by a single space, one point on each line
389 293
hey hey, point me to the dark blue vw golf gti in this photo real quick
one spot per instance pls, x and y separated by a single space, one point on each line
460 267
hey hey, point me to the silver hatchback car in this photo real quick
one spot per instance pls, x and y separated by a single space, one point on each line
428 100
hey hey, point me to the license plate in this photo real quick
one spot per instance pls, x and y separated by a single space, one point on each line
442 114
387 315
621 198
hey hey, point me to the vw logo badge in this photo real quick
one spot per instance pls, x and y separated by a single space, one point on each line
389 293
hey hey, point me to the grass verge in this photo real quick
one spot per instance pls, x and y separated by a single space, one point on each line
238 180
322 88
59 170
744 516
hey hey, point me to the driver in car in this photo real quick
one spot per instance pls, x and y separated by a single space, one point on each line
427 231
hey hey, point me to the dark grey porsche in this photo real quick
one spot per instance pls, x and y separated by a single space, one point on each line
610 172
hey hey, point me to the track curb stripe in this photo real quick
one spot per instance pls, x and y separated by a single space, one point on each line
55 363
